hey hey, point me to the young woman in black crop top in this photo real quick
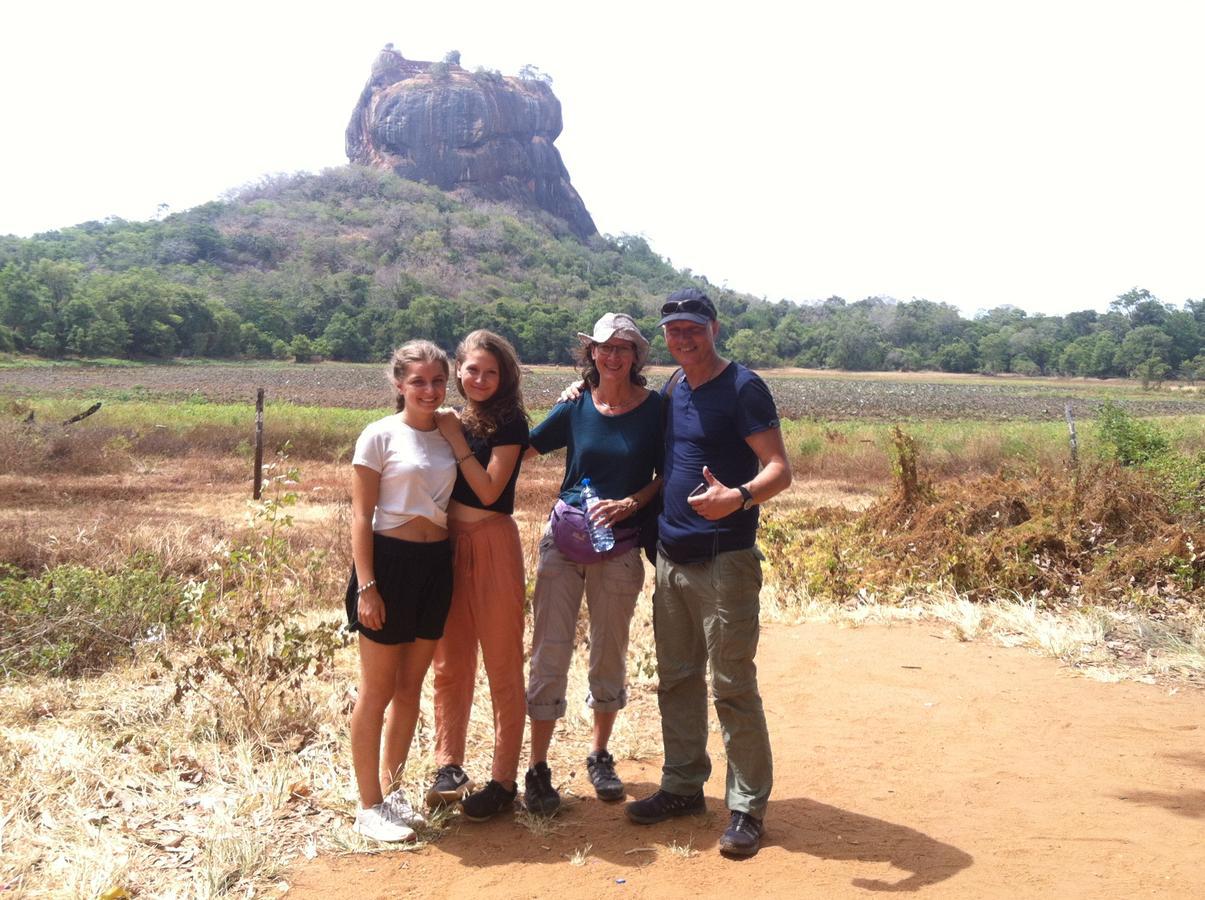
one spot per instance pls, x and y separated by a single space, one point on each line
488 439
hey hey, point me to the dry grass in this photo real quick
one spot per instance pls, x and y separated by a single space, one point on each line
1107 644
108 783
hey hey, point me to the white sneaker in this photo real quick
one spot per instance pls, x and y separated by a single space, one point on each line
400 810
376 823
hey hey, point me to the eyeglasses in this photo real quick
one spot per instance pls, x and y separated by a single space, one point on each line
702 307
614 349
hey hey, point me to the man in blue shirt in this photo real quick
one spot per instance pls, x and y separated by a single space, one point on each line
724 456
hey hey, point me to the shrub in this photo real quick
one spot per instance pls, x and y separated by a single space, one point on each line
1134 442
75 620
1128 440
257 651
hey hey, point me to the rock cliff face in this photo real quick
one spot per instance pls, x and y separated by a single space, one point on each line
486 134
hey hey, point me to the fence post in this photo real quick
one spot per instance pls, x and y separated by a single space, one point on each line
259 443
1074 451
1074 442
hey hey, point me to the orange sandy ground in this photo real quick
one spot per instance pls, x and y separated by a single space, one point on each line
906 761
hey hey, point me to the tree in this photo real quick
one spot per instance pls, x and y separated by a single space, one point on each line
149 306
858 346
1076 358
1141 306
301 349
1194 369
1143 344
93 330
1104 356
752 348
345 338
994 352
529 72
227 333
957 356
1152 372
1185 334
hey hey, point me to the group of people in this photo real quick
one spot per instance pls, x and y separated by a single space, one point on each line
438 568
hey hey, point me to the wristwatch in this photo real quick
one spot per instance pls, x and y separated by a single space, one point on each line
747 495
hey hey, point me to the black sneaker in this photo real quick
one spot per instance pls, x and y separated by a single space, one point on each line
743 835
539 796
488 802
451 784
600 766
664 805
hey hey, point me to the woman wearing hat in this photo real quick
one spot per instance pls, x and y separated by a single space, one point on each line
612 436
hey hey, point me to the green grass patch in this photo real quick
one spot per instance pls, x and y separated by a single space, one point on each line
156 426
74 620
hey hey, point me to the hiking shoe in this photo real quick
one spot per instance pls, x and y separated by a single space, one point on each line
743 835
450 785
400 810
600 766
489 801
539 796
664 805
376 823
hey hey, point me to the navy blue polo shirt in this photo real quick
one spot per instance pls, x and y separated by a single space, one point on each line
707 426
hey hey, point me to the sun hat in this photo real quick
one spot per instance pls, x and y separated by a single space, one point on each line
688 304
622 326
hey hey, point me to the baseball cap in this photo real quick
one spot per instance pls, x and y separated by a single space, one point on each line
688 304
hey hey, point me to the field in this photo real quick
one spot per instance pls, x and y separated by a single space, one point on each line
131 761
799 393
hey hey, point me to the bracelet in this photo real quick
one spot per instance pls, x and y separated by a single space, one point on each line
461 459
362 588
636 506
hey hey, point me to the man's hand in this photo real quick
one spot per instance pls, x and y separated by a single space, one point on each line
717 501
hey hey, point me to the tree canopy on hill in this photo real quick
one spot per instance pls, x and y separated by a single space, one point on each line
348 263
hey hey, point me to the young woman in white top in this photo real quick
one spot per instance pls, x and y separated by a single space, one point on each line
401 585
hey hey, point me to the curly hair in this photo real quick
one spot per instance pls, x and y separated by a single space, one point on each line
413 352
483 419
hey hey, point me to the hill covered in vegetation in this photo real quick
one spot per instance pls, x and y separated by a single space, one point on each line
350 262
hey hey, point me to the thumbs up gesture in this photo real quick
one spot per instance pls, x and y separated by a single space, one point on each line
716 500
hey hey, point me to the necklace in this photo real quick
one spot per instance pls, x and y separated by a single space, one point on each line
615 408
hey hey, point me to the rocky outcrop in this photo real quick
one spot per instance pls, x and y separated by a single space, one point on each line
482 133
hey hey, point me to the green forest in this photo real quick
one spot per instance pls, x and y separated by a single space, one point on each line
348 263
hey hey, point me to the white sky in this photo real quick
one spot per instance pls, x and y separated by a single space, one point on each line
1044 154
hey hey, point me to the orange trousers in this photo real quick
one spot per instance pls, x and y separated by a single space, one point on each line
487 609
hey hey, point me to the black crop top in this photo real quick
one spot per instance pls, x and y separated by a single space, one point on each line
513 432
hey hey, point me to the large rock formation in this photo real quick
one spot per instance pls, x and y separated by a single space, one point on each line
483 133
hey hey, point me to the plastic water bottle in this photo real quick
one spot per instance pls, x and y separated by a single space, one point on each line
601 536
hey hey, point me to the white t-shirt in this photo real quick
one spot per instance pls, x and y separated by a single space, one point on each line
418 470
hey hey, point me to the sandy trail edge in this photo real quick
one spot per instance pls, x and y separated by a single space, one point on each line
905 761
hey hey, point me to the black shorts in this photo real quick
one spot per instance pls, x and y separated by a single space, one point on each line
415 581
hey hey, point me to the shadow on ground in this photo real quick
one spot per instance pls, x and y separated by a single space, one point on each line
797 825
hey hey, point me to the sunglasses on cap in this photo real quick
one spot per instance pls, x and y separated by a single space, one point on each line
697 307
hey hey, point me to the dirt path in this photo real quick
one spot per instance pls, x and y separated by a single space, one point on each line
906 761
